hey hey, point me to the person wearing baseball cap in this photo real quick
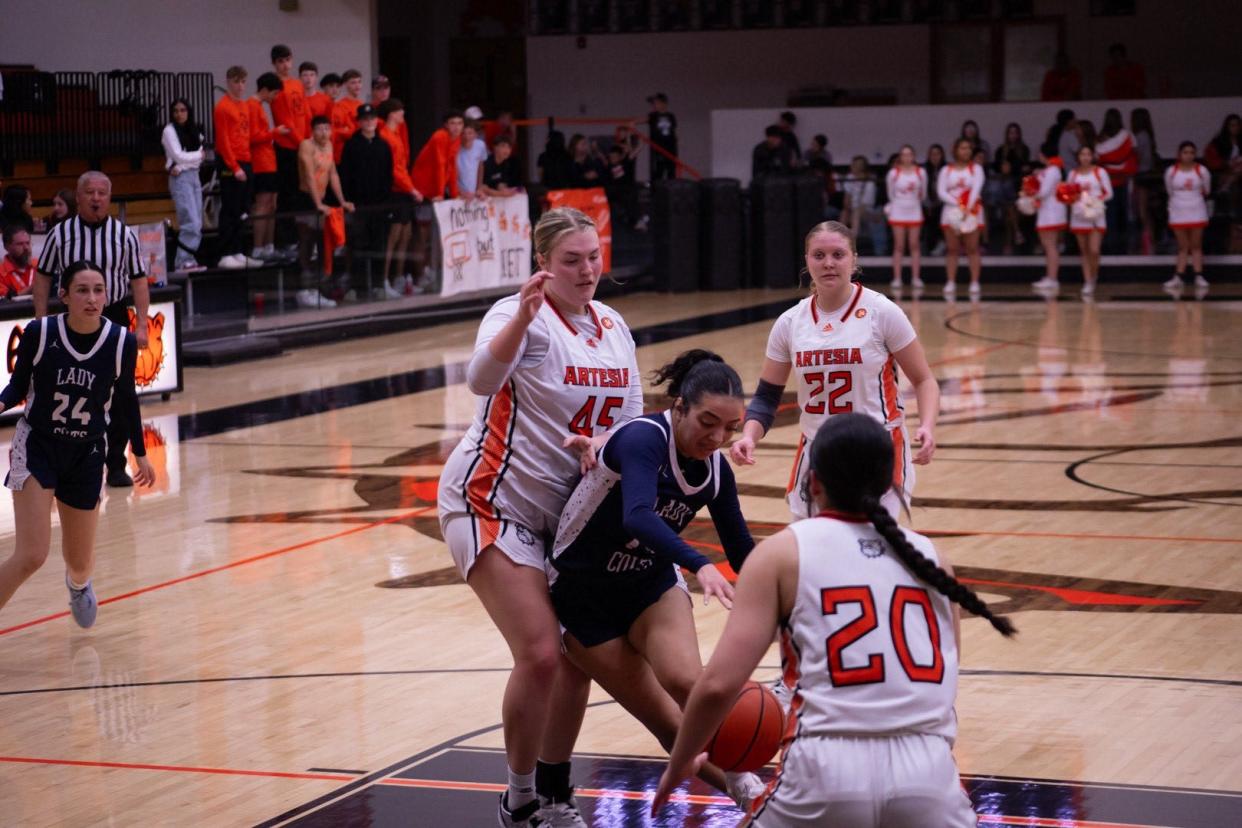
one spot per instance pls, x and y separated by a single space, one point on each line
366 177
381 90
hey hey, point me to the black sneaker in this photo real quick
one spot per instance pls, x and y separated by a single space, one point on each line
525 817
119 479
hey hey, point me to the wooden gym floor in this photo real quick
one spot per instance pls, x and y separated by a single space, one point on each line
282 638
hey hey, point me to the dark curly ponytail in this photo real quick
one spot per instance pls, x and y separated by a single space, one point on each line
697 372
852 458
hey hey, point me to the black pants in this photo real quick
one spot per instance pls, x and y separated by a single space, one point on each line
287 190
662 167
234 199
118 426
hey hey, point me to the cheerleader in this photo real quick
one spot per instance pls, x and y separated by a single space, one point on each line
1051 216
1087 216
1188 185
845 343
73 371
907 187
960 188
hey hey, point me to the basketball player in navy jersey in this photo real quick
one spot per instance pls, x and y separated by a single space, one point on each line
617 586
72 370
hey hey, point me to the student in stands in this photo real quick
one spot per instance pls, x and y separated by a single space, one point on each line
345 111
288 110
263 162
183 153
502 176
232 122
435 176
318 101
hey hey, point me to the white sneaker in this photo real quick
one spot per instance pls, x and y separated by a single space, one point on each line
744 788
975 288
896 283
1088 290
1200 282
1046 283
1175 283
561 814
313 299
235 262
253 262
393 292
916 282
950 288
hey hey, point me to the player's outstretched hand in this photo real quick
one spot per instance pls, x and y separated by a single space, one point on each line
926 442
531 296
672 778
713 583
742 452
145 475
584 447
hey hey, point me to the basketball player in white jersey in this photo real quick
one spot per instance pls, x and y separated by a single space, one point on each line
1051 217
960 187
869 621
1188 185
907 187
844 344
553 370
1089 230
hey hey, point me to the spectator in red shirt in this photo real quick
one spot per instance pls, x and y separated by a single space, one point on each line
404 197
17 269
263 161
345 112
381 90
318 102
290 111
435 176
1123 79
232 122
1062 82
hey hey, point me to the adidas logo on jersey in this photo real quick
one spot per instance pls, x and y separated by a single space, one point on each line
871 547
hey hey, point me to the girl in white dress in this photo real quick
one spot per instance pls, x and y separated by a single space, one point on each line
1088 216
1188 184
907 187
960 187
1051 217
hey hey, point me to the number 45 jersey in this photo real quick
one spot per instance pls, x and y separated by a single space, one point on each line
868 648
572 375
70 394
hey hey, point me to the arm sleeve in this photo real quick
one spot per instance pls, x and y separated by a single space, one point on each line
132 255
173 151
50 263
127 397
637 453
727 516
19 381
486 375
224 131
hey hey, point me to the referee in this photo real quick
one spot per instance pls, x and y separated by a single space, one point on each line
97 237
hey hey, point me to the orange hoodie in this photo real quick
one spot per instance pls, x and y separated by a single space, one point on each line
262 153
344 124
289 109
319 104
401 182
232 121
435 169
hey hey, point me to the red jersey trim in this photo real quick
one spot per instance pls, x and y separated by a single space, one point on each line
599 329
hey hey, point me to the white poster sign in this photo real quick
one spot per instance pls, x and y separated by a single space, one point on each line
485 243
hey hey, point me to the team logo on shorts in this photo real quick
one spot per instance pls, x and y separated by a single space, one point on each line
860 313
606 322
524 535
871 547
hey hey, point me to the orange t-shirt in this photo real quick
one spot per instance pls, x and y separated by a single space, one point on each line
401 182
232 120
435 169
262 153
289 109
344 124
13 278
319 104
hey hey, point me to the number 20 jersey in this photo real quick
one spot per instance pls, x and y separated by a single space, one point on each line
572 376
868 648
70 395
843 361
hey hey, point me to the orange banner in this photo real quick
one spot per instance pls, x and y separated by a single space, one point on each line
594 203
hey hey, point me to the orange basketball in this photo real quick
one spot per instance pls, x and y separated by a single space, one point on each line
750 735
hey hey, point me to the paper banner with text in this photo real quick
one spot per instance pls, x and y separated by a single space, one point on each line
485 243
593 202
154 254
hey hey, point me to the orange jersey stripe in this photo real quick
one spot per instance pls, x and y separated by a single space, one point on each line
888 382
492 455
793 473
791 673
899 459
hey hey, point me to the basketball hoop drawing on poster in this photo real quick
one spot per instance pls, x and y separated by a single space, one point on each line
457 248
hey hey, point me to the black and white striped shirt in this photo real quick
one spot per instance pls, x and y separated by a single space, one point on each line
111 245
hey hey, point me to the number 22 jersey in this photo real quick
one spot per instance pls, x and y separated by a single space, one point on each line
572 375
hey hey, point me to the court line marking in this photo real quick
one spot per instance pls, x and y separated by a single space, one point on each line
33 760
353 530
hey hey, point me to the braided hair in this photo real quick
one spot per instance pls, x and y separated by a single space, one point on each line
852 458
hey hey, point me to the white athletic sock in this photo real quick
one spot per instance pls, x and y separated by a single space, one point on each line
77 586
521 789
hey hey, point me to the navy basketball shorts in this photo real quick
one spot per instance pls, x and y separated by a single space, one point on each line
597 610
73 471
